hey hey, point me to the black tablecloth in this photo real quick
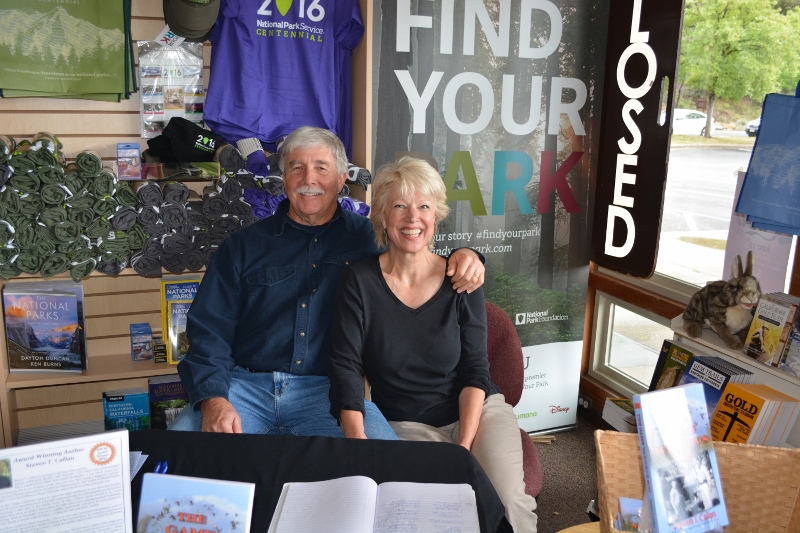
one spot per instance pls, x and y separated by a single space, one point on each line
270 461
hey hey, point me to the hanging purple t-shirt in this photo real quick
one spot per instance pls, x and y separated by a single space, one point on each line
272 72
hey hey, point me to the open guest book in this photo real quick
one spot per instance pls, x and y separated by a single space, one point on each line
357 504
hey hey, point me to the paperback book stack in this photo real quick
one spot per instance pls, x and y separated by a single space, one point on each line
683 491
714 373
754 414
619 413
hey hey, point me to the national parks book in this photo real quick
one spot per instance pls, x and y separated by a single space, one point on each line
167 399
45 326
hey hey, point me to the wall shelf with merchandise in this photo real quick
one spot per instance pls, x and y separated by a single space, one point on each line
111 304
709 343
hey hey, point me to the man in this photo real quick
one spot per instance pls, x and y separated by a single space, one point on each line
259 326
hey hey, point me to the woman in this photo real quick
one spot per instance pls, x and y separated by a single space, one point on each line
421 344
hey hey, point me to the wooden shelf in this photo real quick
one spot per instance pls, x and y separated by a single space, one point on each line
102 368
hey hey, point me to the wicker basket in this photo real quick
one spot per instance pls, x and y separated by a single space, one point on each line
760 483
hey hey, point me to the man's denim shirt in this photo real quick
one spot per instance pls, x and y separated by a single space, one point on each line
266 300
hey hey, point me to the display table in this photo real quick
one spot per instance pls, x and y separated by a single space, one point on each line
270 461
590 527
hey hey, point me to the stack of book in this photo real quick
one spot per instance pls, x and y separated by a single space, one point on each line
753 414
619 413
678 365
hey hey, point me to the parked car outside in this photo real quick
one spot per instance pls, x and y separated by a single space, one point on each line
752 127
688 122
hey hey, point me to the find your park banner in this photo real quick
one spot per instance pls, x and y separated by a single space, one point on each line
503 97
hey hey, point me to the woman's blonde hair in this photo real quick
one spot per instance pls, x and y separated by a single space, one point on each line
411 175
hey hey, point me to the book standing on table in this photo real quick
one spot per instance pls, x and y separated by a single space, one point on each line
177 294
682 483
176 504
126 409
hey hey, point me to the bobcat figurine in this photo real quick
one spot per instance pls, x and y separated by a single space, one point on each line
725 306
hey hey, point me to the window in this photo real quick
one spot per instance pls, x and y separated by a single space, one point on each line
629 340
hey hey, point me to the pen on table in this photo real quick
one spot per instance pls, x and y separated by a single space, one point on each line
161 467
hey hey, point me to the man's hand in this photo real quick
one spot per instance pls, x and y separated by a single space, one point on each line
219 416
465 268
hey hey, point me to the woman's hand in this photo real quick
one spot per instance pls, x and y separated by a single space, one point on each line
470 407
466 270
352 424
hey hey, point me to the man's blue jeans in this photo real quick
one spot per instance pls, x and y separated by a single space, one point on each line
284 404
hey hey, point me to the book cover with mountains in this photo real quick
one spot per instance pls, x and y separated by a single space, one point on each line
44 327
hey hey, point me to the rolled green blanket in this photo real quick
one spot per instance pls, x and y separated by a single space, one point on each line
82 216
51 175
81 201
29 262
52 216
89 164
53 194
26 183
8 253
6 232
76 183
104 184
42 156
54 264
104 206
10 198
46 233
26 237
69 247
9 271
31 205
114 248
99 228
66 231
3 211
19 220
5 173
21 163
43 248
125 195
136 237
82 270
82 254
